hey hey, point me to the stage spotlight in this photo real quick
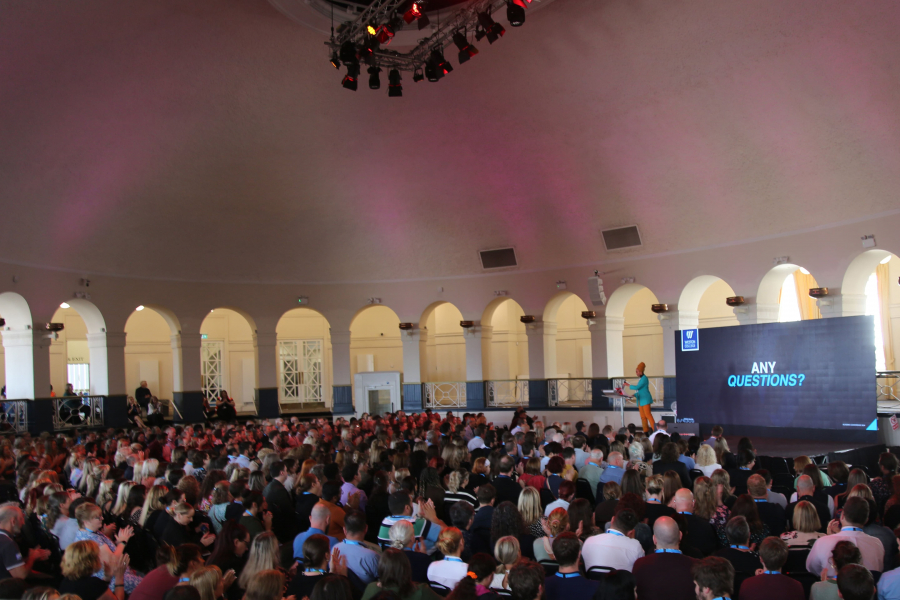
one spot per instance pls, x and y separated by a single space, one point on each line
466 50
348 52
374 78
350 81
479 33
432 72
371 29
442 65
515 13
335 61
395 88
493 29
385 34
414 12
418 76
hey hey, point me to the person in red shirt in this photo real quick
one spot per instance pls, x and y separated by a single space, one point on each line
769 583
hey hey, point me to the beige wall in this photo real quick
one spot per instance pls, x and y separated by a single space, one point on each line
148 345
642 338
307 324
376 331
573 339
444 352
234 332
713 310
509 344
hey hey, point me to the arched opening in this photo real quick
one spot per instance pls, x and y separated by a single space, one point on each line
442 347
375 341
787 288
70 355
572 343
148 351
508 349
304 360
642 334
228 358
868 288
18 361
706 295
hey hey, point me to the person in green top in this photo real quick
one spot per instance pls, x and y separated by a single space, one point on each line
395 575
643 397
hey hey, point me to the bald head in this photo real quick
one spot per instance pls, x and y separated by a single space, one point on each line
320 516
805 486
684 500
666 533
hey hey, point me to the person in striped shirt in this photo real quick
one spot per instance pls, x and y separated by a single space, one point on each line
427 527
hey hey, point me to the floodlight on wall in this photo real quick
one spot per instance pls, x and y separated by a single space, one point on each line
374 300
64 305
527 319
139 308
54 327
781 260
467 324
734 300
868 241
500 293
818 292
407 326
659 308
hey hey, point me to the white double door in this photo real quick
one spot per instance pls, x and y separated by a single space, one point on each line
300 363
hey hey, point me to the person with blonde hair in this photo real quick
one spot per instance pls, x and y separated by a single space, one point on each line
452 569
706 503
263 556
80 565
706 460
530 508
806 526
654 489
90 524
266 585
556 523
403 537
508 553
210 582
456 484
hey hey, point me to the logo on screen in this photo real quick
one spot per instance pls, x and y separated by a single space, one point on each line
690 340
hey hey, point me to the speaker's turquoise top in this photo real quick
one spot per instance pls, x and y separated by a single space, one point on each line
642 391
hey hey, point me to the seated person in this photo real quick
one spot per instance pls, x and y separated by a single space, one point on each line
665 574
771 584
568 582
846 553
742 558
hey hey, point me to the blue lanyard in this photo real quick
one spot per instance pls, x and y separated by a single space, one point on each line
744 468
614 532
760 500
668 550
247 513
739 547
567 575
453 559
315 570
850 529
771 573
352 542
184 580
688 513
653 500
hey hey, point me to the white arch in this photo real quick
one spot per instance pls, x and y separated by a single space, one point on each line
14 309
771 284
693 292
90 314
619 299
859 270
19 349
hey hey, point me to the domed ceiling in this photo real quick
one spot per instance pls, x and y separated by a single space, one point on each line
210 140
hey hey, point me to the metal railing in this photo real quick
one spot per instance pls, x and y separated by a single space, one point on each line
888 386
77 411
570 392
13 416
507 393
445 394
656 386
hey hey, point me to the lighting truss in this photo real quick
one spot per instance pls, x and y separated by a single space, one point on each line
384 11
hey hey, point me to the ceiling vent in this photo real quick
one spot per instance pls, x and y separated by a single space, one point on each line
622 237
498 259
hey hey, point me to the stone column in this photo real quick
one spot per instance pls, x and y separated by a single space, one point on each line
412 354
541 350
266 392
187 380
342 380
755 314
607 354
474 353
27 356
107 358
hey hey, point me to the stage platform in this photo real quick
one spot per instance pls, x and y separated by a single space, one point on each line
790 448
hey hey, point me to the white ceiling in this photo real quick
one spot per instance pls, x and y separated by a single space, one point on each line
211 140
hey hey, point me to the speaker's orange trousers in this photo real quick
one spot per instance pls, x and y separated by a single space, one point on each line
646 418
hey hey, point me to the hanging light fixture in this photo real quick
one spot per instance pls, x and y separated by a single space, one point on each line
515 12
350 80
374 78
395 88
466 50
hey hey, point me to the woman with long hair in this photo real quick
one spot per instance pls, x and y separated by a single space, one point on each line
508 521
130 514
706 460
581 517
263 557
90 523
724 455
706 503
671 485
394 575
211 582
480 472
856 477
153 502
533 475
721 482
313 568
266 585
745 507
476 583
507 552
430 488
882 487
230 550
530 509
632 484
456 492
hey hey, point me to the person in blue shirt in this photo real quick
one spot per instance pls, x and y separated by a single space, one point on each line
362 560
613 472
643 397
319 520
567 582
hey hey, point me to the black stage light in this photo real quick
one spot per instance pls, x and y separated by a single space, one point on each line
374 78
395 88
515 13
385 34
480 33
418 76
466 50
494 30
432 72
348 52
335 61
439 64
351 79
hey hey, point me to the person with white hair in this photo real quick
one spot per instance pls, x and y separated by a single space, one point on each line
592 469
403 537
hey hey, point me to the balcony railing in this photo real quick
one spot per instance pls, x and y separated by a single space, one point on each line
77 411
13 416
570 392
656 386
507 393
445 394
888 386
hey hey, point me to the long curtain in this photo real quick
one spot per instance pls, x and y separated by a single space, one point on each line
882 272
808 307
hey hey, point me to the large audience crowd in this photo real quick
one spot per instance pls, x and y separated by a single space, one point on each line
419 506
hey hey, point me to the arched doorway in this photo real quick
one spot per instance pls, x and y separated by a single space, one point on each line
304 361
508 350
705 296
567 338
869 289
20 372
442 349
628 309
148 351
228 358
70 357
376 347
783 295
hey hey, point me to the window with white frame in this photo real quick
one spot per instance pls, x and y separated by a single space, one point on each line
211 368
300 363
79 375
